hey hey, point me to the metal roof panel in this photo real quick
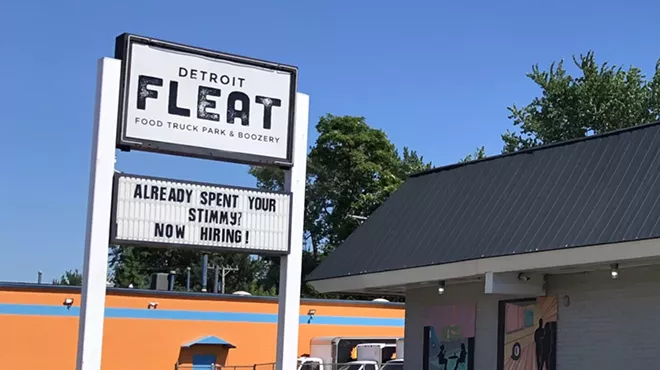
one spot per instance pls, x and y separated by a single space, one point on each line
597 190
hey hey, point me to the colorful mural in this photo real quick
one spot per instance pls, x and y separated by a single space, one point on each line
456 320
449 338
530 334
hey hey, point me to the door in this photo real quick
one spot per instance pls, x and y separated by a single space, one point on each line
203 362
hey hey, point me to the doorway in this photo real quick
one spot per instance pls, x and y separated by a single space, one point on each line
203 362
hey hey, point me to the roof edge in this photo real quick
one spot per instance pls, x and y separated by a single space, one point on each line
207 340
626 253
536 148
135 292
466 260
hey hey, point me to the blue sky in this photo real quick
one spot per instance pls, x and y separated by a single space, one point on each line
436 76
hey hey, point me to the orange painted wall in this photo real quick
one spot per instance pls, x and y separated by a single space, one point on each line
36 333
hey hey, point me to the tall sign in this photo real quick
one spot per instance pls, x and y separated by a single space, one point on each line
156 212
163 97
183 100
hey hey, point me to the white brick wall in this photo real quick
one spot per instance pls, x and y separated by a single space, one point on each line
609 324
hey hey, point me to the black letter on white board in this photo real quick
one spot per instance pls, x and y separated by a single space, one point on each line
243 113
174 93
268 104
203 103
144 92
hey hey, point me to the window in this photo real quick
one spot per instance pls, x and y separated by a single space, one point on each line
309 365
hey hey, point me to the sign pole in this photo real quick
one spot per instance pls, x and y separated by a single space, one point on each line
291 264
95 265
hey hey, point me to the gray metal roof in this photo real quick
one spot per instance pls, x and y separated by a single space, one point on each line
598 190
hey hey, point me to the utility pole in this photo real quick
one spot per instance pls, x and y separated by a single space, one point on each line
188 279
225 271
205 264
216 273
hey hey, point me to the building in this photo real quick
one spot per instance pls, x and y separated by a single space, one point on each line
548 257
155 330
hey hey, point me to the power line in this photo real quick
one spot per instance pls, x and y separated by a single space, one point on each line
221 273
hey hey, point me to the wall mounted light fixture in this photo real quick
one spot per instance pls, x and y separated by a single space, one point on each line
523 277
441 287
614 270
68 303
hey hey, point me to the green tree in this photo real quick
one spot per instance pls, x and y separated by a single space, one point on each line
351 169
410 163
134 266
480 153
70 277
602 98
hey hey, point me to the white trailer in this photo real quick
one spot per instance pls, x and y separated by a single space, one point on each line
396 364
399 348
335 350
377 352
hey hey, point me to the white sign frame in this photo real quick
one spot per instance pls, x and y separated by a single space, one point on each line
97 235
115 240
123 51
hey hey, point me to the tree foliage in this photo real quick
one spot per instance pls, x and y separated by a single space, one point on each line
70 277
134 266
603 98
480 153
351 169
